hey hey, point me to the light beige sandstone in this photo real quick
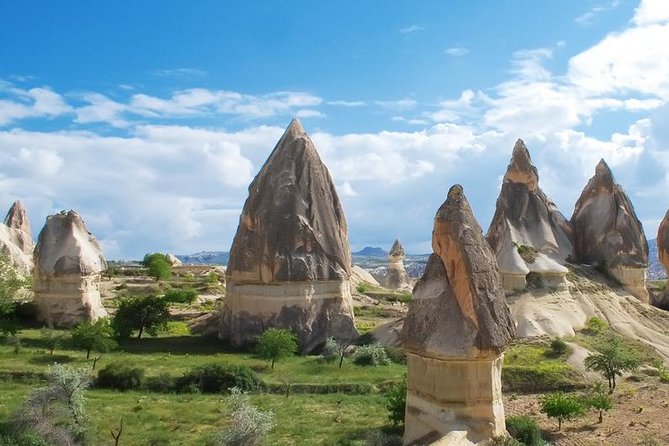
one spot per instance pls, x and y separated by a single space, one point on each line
396 276
526 219
173 260
68 264
290 261
360 275
455 333
8 247
17 218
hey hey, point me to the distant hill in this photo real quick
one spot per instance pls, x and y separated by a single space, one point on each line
370 251
205 258
655 269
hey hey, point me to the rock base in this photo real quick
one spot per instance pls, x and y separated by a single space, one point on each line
633 280
66 301
314 311
448 396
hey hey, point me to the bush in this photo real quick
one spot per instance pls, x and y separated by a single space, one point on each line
141 313
330 351
183 296
373 355
248 425
561 406
558 347
163 383
396 355
612 360
525 430
217 378
396 401
362 288
120 376
595 325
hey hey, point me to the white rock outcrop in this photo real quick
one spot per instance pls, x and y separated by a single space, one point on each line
16 240
396 277
68 264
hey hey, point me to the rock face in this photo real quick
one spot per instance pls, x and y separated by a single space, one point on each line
528 233
663 254
290 261
16 240
68 263
457 326
397 277
173 260
608 234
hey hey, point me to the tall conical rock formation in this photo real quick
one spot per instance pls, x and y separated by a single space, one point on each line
528 233
608 233
16 238
68 264
458 326
663 254
290 260
397 277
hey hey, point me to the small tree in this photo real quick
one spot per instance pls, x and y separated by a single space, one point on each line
94 336
561 406
143 313
52 339
11 282
335 348
56 413
157 266
248 425
275 344
598 399
611 361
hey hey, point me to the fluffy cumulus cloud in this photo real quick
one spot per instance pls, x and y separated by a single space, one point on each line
148 177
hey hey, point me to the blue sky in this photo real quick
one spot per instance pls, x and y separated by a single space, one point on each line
150 118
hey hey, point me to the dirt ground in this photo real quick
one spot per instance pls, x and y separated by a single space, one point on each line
640 416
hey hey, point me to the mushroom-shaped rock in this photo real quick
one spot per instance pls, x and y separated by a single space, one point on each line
607 232
396 277
290 260
457 326
17 218
68 264
528 233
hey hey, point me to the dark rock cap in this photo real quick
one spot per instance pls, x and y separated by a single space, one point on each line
606 228
292 227
397 249
458 306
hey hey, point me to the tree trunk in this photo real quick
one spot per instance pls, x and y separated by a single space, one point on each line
341 360
601 415
95 361
88 354
139 336
273 363
559 424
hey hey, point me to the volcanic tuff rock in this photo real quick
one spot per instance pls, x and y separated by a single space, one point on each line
290 260
16 240
458 325
397 277
68 263
663 254
607 232
528 233
173 260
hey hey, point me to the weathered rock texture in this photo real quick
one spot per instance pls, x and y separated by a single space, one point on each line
455 333
290 260
173 260
397 277
68 263
16 239
663 254
608 234
528 233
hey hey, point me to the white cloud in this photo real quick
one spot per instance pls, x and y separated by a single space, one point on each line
38 102
347 103
398 105
456 51
588 17
411 29
309 114
651 11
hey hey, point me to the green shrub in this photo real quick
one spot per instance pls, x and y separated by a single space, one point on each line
182 296
248 425
217 378
396 400
362 288
558 348
503 440
163 383
596 325
330 351
525 430
371 355
562 407
396 355
527 253
275 344
23 439
120 376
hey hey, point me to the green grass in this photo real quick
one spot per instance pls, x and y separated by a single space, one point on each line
593 341
190 418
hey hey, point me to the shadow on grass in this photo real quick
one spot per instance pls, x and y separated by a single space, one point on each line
176 345
387 435
51 359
